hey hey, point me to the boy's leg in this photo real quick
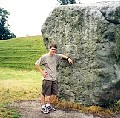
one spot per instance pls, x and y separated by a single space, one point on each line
48 105
52 98
45 91
44 108
42 99
54 91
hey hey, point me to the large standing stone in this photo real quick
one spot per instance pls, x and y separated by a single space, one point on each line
89 34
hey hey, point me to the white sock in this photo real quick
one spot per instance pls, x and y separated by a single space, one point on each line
47 105
43 106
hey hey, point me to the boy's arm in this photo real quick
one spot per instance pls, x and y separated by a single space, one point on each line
68 58
44 74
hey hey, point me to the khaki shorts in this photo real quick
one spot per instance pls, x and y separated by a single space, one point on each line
49 87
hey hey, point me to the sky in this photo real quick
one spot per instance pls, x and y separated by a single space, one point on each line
27 16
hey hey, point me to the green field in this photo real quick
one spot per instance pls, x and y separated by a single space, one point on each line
21 53
19 79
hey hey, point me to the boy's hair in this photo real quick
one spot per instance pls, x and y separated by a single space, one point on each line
53 45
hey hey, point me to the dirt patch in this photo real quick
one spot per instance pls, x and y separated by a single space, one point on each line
32 109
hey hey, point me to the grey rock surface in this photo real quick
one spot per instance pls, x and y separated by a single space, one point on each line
89 34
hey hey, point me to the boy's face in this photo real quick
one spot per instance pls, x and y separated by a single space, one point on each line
52 50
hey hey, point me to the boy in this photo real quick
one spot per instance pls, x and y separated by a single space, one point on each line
49 83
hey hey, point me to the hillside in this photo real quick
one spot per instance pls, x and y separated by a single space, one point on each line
21 53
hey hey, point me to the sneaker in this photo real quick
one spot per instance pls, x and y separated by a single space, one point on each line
45 110
50 108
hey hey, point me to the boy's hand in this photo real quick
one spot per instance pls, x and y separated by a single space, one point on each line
70 61
44 74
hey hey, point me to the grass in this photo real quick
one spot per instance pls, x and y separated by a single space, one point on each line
95 110
17 85
21 53
19 79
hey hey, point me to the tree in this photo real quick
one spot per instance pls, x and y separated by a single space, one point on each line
65 2
5 33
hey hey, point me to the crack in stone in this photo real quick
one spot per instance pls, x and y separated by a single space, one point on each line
116 22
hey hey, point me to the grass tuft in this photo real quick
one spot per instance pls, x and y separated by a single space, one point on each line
95 110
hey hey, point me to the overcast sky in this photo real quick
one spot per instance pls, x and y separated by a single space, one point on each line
27 16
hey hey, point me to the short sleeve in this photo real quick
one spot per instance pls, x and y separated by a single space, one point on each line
40 61
58 57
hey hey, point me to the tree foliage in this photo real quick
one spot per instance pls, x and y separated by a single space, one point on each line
5 33
65 2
